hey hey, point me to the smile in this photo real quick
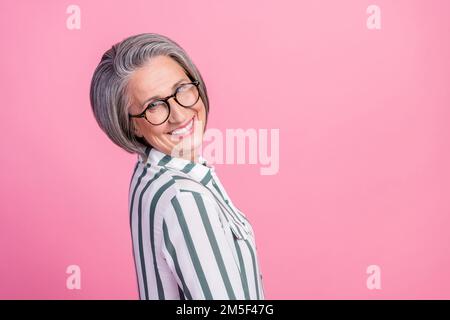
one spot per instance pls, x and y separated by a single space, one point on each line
185 130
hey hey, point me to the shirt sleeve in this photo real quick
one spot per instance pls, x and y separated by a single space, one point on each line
197 251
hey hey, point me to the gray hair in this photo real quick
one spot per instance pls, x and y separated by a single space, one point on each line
109 96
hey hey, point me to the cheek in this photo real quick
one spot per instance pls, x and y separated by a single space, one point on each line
201 110
155 131
201 116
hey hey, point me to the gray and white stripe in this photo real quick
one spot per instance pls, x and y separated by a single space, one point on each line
184 245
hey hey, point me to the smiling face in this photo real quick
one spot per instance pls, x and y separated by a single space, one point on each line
157 79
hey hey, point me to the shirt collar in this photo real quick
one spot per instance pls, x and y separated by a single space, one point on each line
199 171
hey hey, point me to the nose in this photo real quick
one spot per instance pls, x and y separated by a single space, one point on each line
177 112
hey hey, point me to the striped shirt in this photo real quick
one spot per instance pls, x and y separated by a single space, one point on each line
189 240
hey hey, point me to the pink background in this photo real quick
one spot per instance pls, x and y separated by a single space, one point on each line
364 126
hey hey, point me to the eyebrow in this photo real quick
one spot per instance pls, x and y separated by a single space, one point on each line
154 97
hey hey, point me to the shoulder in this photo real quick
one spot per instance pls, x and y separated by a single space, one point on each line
186 192
162 188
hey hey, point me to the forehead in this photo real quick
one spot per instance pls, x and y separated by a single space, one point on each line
155 78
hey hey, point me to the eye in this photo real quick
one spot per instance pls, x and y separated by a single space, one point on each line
184 87
155 105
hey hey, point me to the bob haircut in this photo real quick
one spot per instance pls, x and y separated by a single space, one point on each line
109 95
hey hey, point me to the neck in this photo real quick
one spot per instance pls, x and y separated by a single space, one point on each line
191 156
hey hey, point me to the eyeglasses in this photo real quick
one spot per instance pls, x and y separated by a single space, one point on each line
158 111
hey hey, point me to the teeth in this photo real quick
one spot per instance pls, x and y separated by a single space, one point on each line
184 130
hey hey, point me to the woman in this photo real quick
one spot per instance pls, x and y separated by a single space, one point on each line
189 240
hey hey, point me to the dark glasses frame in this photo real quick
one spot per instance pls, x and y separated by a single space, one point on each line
166 101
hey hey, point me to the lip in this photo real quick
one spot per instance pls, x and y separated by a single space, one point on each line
183 125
